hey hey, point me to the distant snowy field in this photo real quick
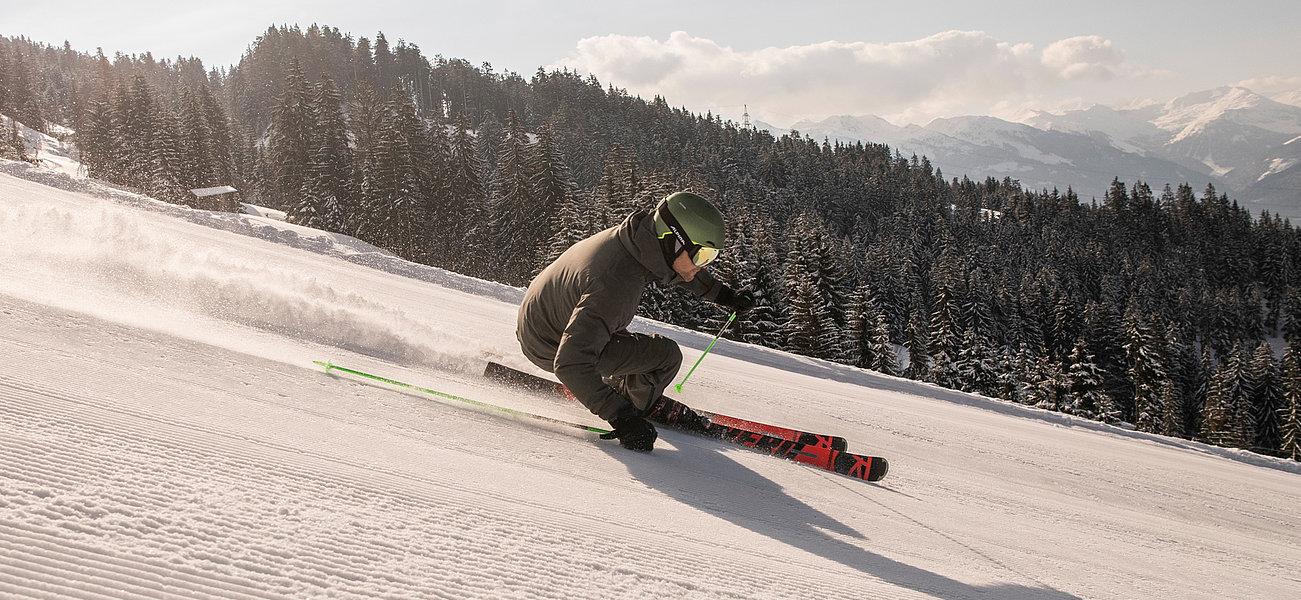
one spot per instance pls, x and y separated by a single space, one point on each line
163 434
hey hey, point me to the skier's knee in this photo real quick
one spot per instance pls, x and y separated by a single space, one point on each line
672 353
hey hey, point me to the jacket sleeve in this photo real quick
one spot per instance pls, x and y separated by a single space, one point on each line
584 338
704 285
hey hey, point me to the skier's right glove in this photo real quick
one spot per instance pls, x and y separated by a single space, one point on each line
633 433
737 301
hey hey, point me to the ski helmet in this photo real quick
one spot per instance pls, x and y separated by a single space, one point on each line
695 222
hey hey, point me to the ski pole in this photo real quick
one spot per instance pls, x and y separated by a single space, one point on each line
510 411
678 387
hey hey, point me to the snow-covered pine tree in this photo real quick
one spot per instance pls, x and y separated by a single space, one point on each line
196 143
869 336
1223 418
23 102
1146 369
1066 326
809 328
1265 398
14 141
1289 415
514 210
1171 416
168 168
945 338
1042 383
435 174
327 200
467 200
366 115
393 212
95 139
1084 393
919 361
133 132
423 175
489 141
755 273
1292 315
223 165
288 139
554 193
1009 378
974 367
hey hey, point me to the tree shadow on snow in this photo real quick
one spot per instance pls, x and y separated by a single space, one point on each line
699 475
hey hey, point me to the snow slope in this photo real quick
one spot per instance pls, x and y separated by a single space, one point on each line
163 434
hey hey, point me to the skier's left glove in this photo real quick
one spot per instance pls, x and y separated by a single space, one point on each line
738 301
633 433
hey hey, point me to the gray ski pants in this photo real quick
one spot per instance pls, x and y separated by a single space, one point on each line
637 365
640 366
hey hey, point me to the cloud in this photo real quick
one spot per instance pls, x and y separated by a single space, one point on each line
949 73
1278 88
1083 57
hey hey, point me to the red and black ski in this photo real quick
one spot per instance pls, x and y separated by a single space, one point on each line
820 451
858 466
515 377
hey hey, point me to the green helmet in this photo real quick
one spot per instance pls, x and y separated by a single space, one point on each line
695 222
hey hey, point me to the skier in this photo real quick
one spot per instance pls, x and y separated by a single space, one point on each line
574 318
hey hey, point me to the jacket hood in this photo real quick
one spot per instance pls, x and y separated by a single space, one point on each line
637 234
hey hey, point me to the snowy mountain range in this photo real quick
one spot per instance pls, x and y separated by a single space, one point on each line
1244 143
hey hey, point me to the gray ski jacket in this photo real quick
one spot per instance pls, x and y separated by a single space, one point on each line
575 305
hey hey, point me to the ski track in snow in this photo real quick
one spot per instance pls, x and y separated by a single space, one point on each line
163 434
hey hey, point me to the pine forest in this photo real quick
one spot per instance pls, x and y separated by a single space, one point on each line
1162 305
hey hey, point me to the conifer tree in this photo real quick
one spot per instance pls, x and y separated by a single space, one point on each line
974 367
945 338
1265 397
870 336
326 200
1292 315
133 133
196 143
1222 416
467 199
393 211
554 192
756 274
516 244
169 171
1147 371
222 166
919 361
95 140
1084 393
1289 415
288 139
809 328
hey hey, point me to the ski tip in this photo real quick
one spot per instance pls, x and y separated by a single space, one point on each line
839 444
324 363
880 467
677 387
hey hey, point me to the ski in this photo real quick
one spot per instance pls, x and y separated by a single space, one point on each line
867 468
812 450
669 415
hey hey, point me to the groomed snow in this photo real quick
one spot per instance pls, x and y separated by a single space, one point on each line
165 435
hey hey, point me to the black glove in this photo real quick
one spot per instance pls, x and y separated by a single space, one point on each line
633 433
739 302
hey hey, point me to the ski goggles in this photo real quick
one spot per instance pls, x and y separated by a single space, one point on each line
699 255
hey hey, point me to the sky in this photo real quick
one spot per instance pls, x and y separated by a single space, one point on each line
907 62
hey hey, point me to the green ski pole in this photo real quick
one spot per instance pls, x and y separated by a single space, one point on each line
678 386
510 411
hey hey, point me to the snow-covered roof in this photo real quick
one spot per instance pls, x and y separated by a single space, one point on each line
213 191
